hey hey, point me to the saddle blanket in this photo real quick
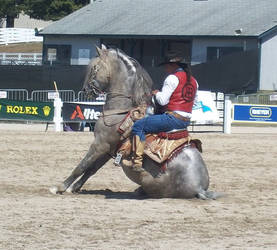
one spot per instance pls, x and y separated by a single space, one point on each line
161 149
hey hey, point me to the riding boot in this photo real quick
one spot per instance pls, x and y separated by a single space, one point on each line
136 162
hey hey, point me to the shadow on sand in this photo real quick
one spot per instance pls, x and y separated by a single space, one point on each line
138 194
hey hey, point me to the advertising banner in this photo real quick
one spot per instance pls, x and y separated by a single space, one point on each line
81 112
255 113
26 110
204 110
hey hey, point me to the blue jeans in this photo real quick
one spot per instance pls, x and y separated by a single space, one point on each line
157 123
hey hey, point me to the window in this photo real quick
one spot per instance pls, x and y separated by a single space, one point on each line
214 53
57 54
51 55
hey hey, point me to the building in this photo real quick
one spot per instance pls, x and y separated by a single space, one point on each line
240 35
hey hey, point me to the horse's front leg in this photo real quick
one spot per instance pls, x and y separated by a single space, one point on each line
96 151
89 172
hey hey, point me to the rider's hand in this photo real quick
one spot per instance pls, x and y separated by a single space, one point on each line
154 92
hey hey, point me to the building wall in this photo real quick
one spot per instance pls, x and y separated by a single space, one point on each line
268 71
82 47
149 52
199 46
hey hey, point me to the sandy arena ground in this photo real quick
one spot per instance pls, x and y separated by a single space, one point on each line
109 215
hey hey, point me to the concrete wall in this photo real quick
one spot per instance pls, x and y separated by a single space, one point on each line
199 46
268 68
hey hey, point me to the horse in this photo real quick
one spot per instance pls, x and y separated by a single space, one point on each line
128 85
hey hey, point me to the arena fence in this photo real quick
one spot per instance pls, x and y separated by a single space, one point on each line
87 110
248 114
82 97
266 98
50 95
18 35
14 94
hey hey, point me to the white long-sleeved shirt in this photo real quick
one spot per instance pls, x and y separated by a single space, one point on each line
170 84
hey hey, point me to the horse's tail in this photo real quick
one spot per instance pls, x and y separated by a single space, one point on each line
209 195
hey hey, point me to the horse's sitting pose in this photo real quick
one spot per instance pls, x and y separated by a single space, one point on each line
178 172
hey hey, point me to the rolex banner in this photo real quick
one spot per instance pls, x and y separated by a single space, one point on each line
78 112
26 110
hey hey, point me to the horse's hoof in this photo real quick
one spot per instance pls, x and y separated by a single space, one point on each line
72 190
54 190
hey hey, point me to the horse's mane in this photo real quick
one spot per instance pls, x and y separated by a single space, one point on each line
142 81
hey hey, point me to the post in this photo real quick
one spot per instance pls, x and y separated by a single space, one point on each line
58 114
227 117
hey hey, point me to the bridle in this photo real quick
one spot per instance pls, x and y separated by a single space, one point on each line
96 90
93 87
93 82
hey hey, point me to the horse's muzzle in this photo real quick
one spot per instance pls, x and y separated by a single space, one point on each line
91 89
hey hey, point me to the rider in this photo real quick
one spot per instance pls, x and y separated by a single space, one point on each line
177 98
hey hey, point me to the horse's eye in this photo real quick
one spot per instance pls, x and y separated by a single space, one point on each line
96 68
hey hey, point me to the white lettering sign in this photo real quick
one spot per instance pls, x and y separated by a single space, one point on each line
53 95
3 94
91 114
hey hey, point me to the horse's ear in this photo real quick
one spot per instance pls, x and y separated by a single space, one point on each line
98 50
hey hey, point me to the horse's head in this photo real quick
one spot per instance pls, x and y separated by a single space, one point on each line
98 73
116 74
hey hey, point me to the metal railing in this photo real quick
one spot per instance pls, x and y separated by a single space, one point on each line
50 95
82 97
14 94
257 98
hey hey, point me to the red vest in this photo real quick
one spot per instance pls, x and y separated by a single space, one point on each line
182 98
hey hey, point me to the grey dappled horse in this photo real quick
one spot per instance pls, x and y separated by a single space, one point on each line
128 85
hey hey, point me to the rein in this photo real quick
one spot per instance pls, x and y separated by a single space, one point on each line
115 111
94 87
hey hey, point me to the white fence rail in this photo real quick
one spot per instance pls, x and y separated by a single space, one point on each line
18 35
24 58
20 58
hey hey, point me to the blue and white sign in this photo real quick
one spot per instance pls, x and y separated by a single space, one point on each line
255 113
204 110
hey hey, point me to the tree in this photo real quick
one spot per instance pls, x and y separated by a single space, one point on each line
52 9
10 9
39 9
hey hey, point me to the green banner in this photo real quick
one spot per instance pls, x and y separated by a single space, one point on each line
26 110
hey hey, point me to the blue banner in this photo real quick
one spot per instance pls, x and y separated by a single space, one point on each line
254 113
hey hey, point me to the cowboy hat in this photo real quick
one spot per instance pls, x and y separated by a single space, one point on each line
173 56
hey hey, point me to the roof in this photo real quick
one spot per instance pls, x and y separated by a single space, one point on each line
169 18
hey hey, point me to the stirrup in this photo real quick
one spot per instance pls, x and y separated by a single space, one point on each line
117 159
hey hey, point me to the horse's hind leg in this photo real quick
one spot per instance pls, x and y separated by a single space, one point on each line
89 172
94 153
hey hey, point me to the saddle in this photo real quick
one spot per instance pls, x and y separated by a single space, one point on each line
160 147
